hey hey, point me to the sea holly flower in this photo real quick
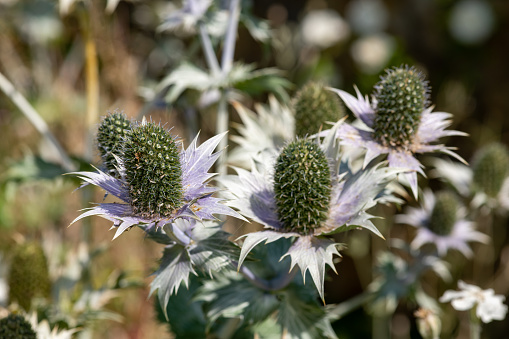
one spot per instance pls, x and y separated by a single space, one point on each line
486 183
159 181
274 125
440 221
304 194
110 135
398 122
314 105
488 305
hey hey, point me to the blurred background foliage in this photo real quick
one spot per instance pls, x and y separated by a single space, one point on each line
74 60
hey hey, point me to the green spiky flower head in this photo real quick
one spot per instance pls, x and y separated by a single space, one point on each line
401 97
110 136
491 168
302 186
314 105
15 326
28 275
444 213
153 171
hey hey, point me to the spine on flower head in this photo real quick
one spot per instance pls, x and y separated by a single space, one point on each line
153 171
401 96
443 216
110 137
491 168
314 105
28 275
302 186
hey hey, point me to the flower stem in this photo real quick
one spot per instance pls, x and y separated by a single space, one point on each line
279 282
475 325
210 56
31 114
231 34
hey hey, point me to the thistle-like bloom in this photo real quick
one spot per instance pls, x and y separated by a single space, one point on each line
398 122
158 182
303 195
486 182
440 222
488 305
313 106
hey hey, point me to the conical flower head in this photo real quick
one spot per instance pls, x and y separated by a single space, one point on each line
16 326
401 97
491 168
28 275
110 136
314 105
153 171
302 186
444 213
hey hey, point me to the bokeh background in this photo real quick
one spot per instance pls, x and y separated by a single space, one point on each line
75 60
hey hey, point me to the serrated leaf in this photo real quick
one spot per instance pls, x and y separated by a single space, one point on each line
312 254
185 315
185 76
301 317
233 296
174 270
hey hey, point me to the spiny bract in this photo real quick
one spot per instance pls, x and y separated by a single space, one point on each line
153 171
491 168
15 326
302 186
110 136
443 215
28 275
314 105
401 97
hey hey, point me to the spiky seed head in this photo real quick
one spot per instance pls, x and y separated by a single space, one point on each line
314 105
443 216
401 96
110 135
153 171
491 168
28 275
15 326
302 186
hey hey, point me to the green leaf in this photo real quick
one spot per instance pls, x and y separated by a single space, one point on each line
185 316
301 316
174 269
263 81
232 296
32 168
186 76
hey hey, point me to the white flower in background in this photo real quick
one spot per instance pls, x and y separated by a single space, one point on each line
489 306
440 222
471 21
372 52
324 28
428 323
44 331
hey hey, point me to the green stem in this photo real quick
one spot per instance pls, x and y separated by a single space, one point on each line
221 127
475 325
210 56
31 114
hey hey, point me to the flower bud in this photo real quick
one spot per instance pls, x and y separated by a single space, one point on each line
110 135
314 105
153 171
401 96
16 326
28 275
302 186
443 215
491 168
